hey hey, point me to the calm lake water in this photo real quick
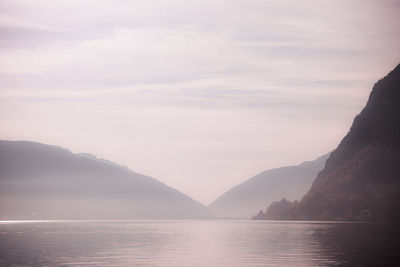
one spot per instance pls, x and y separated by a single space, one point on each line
198 243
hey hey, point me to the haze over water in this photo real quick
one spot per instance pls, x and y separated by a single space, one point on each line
200 95
162 106
196 243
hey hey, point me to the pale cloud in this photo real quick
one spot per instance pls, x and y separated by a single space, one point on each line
197 94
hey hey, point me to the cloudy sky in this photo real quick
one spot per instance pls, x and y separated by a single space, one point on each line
198 94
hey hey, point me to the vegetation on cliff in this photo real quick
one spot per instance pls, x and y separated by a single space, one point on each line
361 179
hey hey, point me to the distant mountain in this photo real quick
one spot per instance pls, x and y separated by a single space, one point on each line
292 182
361 179
39 181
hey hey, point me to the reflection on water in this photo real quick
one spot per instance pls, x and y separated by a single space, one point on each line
197 243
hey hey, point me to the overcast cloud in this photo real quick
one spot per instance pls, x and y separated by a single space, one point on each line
198 94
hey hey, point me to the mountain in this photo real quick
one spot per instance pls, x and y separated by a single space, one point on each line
361 178
40 181
261 190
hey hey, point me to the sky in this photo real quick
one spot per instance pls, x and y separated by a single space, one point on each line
200 95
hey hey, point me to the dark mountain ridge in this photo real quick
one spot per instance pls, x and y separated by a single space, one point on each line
361 179
378 124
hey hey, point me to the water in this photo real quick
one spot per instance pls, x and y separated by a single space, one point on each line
197 243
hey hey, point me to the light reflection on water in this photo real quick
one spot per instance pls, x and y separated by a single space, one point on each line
197 243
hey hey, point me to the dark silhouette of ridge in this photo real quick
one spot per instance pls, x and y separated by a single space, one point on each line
361 179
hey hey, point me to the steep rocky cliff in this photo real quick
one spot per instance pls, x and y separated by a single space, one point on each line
361 179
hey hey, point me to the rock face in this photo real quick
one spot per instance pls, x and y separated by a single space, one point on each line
261 190
361 179
46 182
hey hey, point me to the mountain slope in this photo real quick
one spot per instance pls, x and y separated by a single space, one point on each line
363 173
39 181
361 179
259 191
